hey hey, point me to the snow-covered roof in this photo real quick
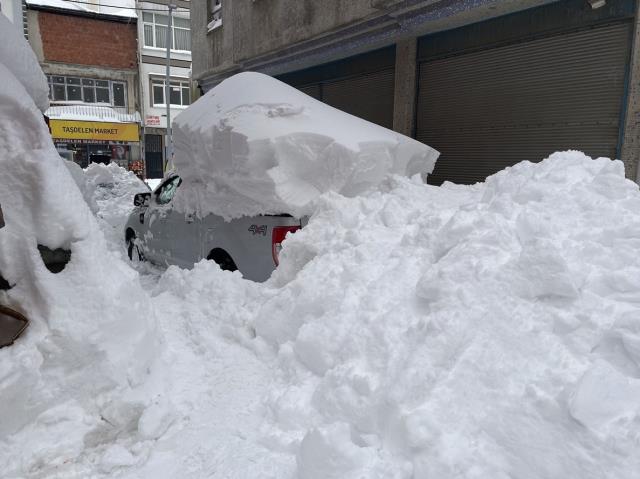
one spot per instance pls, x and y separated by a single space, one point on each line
118 8
90 112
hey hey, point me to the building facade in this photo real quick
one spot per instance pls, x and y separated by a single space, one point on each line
89 55
488 83
152 34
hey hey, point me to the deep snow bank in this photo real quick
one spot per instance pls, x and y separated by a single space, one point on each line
112 188
79 378
485 331
254 144
18 57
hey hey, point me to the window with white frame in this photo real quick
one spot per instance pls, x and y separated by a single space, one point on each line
155 27
88 90
179 92
215 14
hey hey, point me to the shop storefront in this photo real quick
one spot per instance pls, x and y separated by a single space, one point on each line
87 142
89 134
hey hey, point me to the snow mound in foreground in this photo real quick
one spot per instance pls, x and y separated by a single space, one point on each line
18 56
256 145
80 376
484 331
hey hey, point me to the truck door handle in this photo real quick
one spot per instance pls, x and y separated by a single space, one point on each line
190 218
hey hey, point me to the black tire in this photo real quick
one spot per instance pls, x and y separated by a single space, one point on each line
222 259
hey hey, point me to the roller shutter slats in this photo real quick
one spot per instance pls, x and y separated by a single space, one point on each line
368 96
490 109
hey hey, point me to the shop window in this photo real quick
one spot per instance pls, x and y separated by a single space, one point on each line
102 95
87 90
179 92
156 26
158 94
74 92
58 92
118 94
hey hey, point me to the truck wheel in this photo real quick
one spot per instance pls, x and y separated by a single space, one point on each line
222 258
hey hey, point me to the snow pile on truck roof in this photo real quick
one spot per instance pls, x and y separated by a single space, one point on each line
255 145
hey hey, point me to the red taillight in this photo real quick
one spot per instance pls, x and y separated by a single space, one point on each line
277 237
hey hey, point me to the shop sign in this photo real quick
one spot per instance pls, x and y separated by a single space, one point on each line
94 130
152 120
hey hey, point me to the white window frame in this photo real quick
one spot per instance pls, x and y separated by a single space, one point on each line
153 25
51 82
159 81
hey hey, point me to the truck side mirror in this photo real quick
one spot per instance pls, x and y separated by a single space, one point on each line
141 199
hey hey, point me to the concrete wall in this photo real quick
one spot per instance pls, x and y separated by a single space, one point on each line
277 36
251 28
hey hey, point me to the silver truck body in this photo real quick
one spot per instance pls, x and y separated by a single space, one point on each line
162 235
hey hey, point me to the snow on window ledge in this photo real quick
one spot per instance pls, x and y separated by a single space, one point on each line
213 24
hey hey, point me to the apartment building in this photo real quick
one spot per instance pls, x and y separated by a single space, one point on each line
153 30
88 53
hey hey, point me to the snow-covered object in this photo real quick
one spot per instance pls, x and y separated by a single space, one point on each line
255 145
112 189
484 331
81 373
19 58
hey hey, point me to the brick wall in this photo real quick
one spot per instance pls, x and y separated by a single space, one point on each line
87 41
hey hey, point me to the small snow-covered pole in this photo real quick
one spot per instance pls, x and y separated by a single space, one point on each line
167 92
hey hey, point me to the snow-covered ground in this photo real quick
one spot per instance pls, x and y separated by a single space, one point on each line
411 331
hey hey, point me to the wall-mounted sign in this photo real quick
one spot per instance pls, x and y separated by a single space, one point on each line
94 130
152 120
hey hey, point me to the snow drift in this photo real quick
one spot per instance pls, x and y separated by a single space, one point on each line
18 57
484 331
255 145
78 377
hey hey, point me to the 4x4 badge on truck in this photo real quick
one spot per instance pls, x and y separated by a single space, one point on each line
256 230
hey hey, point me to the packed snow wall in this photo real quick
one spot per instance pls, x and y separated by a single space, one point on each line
255 145
75 377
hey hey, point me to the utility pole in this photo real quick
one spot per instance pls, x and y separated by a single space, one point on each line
167 91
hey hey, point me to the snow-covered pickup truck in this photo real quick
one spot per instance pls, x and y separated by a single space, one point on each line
159 233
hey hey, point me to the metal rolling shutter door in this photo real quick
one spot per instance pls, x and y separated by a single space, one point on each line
311 90
368 96
491 109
